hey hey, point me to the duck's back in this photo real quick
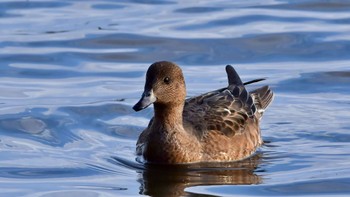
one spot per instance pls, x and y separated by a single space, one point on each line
226 121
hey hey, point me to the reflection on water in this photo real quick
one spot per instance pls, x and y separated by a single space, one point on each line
323 82
172 180
71 70
133 48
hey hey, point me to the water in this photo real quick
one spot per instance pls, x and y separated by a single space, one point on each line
71 70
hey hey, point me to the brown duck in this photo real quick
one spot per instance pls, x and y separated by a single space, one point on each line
222 125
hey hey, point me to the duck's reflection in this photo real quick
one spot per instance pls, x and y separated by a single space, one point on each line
171 180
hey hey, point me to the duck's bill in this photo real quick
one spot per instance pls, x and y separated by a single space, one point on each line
146 100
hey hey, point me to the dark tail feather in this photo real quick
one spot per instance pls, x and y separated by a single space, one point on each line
254 81
233 77
262 98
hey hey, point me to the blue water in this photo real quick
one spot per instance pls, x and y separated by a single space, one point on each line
70 71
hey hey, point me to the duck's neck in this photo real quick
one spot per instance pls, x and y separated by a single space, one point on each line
169 115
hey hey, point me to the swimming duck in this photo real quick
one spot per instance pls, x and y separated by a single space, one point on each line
218 126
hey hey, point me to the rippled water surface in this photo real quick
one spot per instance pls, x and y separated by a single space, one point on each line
70 71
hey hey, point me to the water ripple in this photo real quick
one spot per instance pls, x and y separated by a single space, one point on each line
71 70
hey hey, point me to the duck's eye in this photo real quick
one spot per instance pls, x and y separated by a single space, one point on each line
167 80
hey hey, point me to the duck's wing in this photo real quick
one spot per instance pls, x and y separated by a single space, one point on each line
226 110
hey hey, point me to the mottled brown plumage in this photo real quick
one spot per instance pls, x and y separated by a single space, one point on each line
222 125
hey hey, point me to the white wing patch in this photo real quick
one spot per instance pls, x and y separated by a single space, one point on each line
229 112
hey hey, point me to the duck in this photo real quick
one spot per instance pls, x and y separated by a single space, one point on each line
217 126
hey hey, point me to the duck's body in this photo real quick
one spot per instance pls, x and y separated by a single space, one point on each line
221 125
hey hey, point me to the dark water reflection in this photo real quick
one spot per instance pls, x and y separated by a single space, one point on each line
325 6
304 46
165 180
321 82
71 70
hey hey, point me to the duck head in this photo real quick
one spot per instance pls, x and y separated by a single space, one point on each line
165 86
